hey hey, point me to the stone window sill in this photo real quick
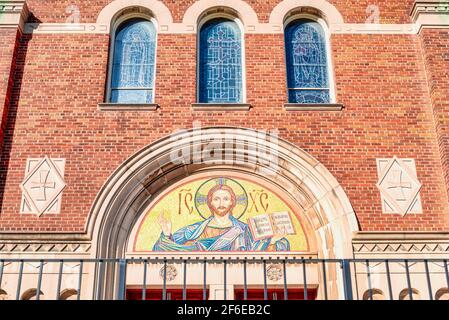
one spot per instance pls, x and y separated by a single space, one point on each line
127 107
221 106
313 107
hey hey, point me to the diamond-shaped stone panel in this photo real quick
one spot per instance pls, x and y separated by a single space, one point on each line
42 186
399 186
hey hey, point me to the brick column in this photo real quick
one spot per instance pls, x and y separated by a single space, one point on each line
13 15
432 19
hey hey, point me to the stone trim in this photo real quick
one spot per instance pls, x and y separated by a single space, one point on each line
13 13
313 107
328 11
430 14
180 28
221 106
160 11
30 247
127 107
243 10
419 243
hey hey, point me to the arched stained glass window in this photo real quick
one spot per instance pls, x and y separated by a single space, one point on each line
220 65
307 65
132 78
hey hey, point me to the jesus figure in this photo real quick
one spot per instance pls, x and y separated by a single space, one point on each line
220 232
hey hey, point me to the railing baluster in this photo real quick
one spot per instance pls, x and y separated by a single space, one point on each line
368 274
80 280
429 283
446 271
224 284
19 284
39 280
205 280
265 289
100 279
347 280
390 289
2 265
164 290
324 279
284 265
184 287
58 287
304 273
144 287
100 291
409 286
245 284
122 266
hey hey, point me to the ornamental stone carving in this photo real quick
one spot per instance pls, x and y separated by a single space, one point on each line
170 273
274 272
42 187
399 186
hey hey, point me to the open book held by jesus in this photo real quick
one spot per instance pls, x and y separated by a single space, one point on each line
271 224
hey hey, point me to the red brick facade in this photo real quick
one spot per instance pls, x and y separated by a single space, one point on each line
393 87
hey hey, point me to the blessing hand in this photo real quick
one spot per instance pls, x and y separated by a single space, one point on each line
165 225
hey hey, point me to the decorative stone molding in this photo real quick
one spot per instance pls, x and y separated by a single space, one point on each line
43 185
241 9
384 243
430 14
221 106
326 10
245 12
170 272
399 186
313 107
160 11
127 107
274 272
37 247
13 13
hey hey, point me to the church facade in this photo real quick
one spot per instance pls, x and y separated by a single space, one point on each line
224 149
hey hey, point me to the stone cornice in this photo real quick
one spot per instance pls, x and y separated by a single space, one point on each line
13 13
434 14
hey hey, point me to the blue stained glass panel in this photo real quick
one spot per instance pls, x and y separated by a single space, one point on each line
220 65
307 68
133 62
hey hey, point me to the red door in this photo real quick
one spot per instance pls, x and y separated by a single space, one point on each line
275 294
172 294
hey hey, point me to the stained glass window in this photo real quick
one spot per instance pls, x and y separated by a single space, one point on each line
220 65
307 69
133 62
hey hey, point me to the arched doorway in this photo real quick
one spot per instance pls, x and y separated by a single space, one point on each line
327 215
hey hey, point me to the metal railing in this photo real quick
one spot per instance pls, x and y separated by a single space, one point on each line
243 278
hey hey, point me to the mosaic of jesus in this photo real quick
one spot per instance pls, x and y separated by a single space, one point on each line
224 214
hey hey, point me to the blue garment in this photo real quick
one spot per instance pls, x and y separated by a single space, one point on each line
237 238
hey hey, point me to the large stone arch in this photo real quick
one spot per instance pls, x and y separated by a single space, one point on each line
140 179
132 186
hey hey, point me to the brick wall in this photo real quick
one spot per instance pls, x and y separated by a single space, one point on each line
435 47
381 80
10 41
